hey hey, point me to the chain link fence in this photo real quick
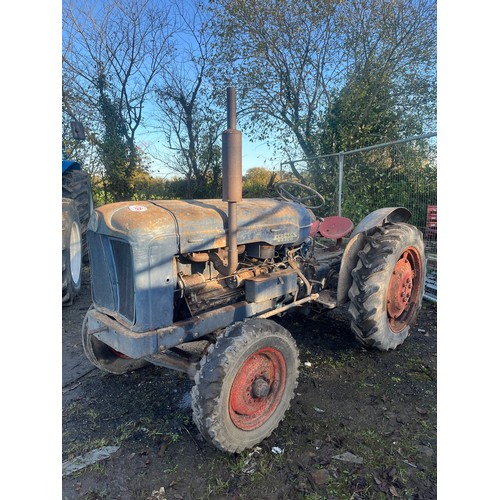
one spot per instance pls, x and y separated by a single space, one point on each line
394 174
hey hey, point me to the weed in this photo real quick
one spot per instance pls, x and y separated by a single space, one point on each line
218 489
82 447
92 414
174 436
171 470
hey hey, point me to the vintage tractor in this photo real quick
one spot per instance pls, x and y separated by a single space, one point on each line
190 285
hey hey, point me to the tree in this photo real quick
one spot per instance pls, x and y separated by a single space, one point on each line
364 114
283 56
257 182
112 53
188 114
293 58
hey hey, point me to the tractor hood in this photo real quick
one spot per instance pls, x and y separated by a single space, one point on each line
200 225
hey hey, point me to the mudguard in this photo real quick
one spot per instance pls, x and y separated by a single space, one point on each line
358 240
68 165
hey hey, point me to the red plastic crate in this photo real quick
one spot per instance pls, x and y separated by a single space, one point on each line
431 223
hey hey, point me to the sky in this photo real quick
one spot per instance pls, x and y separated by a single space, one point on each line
254 154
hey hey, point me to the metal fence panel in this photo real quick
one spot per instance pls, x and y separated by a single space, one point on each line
399 173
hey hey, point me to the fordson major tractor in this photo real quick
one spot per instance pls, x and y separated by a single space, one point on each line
190 285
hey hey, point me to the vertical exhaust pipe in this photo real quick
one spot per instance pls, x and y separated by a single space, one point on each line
232 182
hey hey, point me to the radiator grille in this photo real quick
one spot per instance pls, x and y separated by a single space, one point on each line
122 257
112 271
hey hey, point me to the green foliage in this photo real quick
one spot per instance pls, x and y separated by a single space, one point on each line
113 150
292 59
365 113
257 182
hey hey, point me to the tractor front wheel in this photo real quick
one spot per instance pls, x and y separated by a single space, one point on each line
388 286
245 384
105 357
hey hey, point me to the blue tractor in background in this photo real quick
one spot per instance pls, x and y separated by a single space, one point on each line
77 205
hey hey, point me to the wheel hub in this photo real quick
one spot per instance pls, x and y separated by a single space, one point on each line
404 289
260 388
257 388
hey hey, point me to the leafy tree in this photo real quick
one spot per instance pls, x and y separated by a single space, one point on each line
283 55
293 58
112 53
257 182
366 113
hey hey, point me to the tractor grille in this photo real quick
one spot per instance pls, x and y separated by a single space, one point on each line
112 275
122 256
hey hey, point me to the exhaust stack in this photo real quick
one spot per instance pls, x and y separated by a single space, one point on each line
231 179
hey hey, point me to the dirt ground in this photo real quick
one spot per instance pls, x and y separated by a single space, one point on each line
361 426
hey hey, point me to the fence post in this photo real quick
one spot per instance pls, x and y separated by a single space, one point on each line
341 179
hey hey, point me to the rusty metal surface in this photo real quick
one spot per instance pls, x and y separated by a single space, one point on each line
200 225
267 286
404 290
173 362
382 216
232 153
257 388
326 299
138 345
279 310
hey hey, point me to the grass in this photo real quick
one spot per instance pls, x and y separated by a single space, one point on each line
78 448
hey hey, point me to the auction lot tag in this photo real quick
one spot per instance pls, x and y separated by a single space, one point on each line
137 208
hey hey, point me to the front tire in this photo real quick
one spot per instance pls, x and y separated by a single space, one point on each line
245 384
71 253
104 357
388 286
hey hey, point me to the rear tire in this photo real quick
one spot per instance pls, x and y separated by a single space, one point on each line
71 253
245 384
388 286
76 186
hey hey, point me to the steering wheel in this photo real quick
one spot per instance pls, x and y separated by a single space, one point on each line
283 189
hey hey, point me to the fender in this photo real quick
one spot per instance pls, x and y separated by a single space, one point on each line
68 165
357 242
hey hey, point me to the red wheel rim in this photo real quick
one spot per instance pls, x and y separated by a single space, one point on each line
403 294
118 354
257 388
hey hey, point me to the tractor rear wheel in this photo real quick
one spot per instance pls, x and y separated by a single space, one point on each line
105 357
71 253
76 186
388 286
245 384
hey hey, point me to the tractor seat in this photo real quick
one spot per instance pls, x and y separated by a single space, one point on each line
335 227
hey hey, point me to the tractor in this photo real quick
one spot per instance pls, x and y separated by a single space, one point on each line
77 207
190 285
